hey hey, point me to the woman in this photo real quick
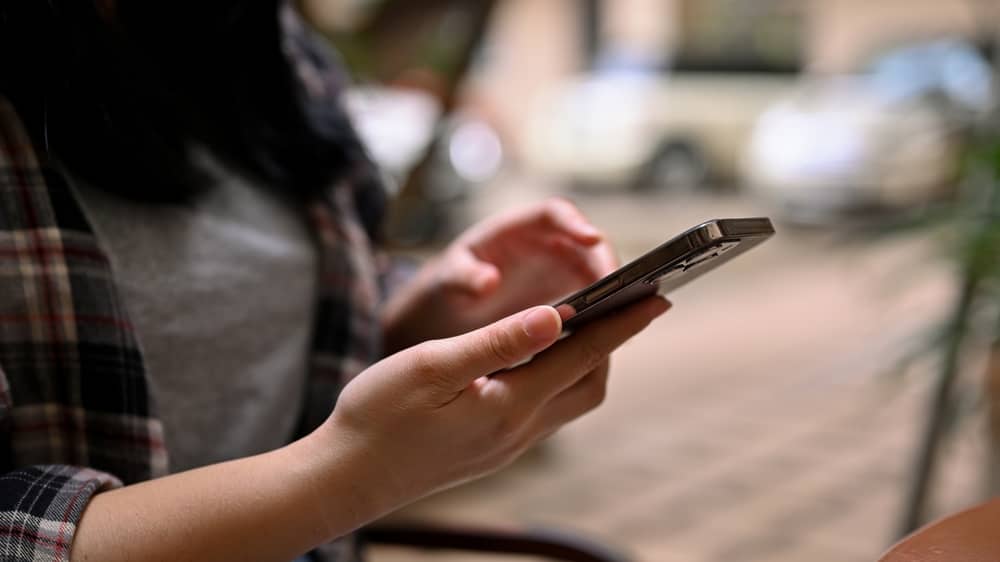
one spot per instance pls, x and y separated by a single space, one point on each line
188 287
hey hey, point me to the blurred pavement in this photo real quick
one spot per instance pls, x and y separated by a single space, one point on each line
760 419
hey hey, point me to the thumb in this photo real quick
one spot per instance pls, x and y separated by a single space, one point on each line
500 345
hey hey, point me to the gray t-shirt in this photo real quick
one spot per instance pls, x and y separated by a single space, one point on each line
221 293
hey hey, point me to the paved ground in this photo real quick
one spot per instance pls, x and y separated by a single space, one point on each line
758 420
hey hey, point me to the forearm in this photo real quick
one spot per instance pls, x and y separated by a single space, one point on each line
270 507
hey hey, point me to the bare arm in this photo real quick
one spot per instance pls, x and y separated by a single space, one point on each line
424 419
270 507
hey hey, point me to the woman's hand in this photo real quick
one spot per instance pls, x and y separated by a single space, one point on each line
518 259
432 416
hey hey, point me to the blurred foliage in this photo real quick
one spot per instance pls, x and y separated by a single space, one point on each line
979 243
968 229
735 35
433 52
394 37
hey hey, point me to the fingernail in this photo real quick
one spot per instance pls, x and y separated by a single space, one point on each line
541 323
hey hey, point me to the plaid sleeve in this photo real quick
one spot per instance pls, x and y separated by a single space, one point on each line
73 400
40 507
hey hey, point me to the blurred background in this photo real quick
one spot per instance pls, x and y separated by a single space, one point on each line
813 400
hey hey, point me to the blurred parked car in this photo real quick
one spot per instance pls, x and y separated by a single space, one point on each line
620 130
887 138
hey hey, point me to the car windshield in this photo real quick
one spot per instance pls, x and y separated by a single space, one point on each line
953 68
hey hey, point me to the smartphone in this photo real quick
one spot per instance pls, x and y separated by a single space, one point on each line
665 268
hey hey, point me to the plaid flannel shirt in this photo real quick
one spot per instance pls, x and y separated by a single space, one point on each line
75 412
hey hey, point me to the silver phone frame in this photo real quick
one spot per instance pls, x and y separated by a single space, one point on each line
670 265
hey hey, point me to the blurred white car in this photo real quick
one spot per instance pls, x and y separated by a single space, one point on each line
887 139
834 146
621 130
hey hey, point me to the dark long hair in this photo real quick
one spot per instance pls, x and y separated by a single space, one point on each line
118 100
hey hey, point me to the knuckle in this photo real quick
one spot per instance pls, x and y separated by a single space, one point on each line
422 356
424 361
504 401
501 345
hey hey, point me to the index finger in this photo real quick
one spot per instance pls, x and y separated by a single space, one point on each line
565 216
602 259
557 215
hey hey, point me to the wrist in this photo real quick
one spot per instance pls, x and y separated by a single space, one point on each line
334 479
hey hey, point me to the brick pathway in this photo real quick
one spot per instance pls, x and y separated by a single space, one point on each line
757 421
